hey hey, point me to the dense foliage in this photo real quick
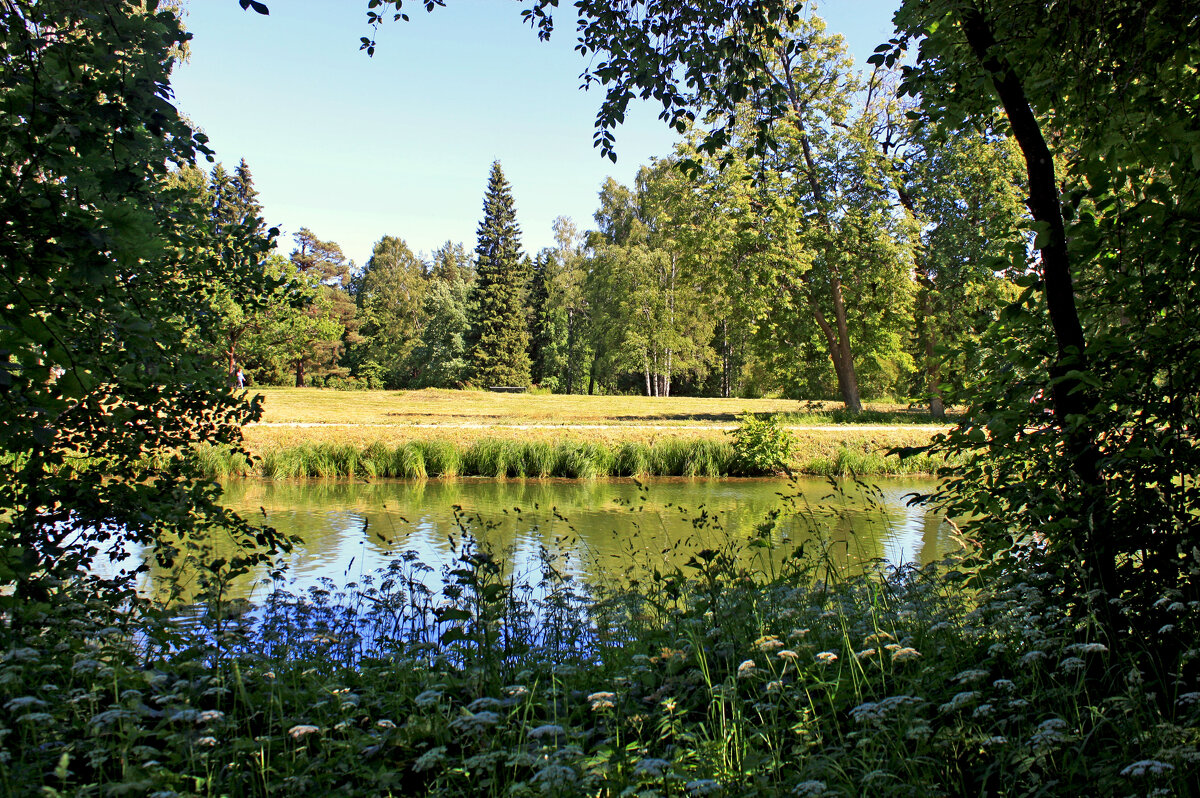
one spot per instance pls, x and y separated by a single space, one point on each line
111 279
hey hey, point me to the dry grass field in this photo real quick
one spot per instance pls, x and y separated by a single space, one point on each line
298 416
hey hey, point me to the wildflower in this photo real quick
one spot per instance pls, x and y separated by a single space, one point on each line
982 711
25 702
36 717
476 722
1050 731
787 653
1088 648
516 691
805 789
206 742
553 776
959 701
428 698
384 723
184 716
878 637
970 676
768 643
798 634
1166 629
826 658
702 787
746 669
209 716
269 675
545 730
920 731
1146 766
111 716
997 739
22 655
774 686
302 729
484 703
601 700
429 759
866 653
652 767
1004 684
1187 699
1032 658
1176 606
905 654
1071 664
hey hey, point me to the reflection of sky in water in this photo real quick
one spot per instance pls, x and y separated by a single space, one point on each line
348 530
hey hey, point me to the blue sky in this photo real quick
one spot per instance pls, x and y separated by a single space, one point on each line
400 144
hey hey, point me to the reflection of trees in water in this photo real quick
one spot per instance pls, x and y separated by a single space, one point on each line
346 529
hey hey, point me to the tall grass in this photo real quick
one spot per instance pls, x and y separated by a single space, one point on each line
511 458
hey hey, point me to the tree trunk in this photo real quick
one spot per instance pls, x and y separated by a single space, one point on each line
646 362
299 373
570 350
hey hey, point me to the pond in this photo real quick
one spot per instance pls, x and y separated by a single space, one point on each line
345 530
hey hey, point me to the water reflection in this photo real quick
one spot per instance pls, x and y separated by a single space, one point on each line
347 529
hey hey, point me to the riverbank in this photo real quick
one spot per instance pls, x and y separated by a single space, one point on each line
432 433
711 681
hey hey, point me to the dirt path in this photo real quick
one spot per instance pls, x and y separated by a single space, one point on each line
532 426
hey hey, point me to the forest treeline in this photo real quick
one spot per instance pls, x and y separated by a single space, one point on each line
861 257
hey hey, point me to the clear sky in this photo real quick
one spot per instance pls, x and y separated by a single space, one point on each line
400 144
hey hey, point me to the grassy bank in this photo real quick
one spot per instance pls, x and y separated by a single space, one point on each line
711 681
572 458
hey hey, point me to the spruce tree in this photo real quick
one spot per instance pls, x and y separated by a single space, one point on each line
500 332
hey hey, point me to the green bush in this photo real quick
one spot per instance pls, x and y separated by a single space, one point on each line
761 445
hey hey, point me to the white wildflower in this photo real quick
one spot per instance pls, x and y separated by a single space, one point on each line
1187 699
206 742
1004 684
384 723
1144 767
826 658
601 700
545 730
475 722
866 653
746 669
970 676
982 711
209 716
302 729
1071 664
1032 658
654 768
516 691
428 698
959 701
702 787
184 716
484 703
25 702
1088 648
429 759
788 654
553 776
1166 629
810 789
905 654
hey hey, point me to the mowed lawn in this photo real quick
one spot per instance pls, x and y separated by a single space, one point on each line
295 416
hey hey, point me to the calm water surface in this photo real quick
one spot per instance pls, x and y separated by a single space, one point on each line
348 529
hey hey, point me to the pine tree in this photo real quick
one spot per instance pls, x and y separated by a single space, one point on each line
500 332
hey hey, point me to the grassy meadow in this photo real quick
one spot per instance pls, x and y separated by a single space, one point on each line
412 434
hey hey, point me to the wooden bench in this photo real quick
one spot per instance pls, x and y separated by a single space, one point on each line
507 388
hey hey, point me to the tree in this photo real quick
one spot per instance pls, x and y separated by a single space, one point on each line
499 331
1095 482
390 296
317 343
107 293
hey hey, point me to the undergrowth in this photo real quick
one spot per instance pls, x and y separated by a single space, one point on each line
719 678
